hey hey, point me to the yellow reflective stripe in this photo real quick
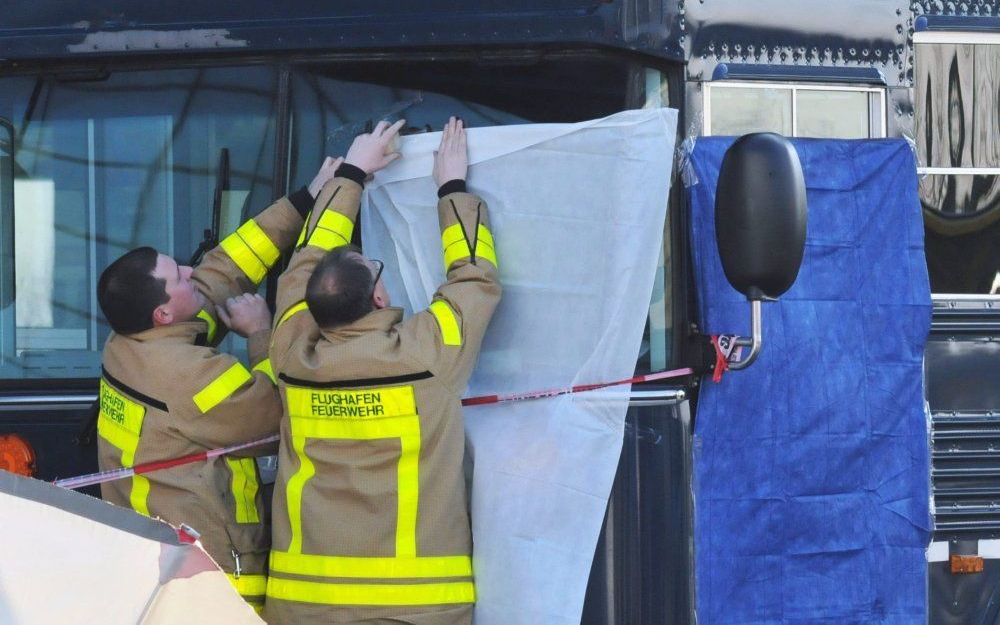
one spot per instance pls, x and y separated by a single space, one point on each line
243 256
408 487
139 497
121 411
120 424
406 429
451 334
293 492
291 311
264 366
456 247
302 233
485 247
485 236
341 414
455 252
326 240
355 429
219 389
374 403
252 250
451 235
336 222
258 241
383 568
244 487
212 326
117 435
249 585
332 230
371 594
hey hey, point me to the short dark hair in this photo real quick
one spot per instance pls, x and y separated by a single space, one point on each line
340 288
128 293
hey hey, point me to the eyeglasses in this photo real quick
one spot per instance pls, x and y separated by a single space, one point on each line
376 266
376 272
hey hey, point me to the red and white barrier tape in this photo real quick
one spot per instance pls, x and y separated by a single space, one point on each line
580 388
148 467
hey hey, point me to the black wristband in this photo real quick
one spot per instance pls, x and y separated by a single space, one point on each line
452 186
351 172
303 201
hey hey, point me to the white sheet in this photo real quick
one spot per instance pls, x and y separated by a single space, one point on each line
58 565
577 212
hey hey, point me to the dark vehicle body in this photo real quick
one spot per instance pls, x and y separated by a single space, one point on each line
117 116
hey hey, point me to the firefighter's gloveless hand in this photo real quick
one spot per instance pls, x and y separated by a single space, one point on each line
371 152
451 161
325 173
246 314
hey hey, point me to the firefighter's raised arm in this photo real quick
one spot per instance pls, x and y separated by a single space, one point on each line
462 307
331 223
241 260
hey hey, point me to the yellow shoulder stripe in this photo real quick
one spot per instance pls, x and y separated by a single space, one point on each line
291 311
451 333
302 233
264 366
219 389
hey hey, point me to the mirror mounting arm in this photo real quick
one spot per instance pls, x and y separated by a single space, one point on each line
755 341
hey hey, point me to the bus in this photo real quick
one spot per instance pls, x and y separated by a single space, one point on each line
154 123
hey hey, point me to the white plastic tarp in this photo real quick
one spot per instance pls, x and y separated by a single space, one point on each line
577 212
69 558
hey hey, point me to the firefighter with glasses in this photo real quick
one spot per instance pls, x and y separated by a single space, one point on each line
370 516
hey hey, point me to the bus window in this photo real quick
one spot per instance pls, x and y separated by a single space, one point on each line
957 105
106 163
739 111
833 114
829 112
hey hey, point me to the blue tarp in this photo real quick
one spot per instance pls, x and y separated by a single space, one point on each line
812 466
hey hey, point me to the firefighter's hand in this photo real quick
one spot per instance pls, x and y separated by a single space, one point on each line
325 174
451 161
371 152
246 314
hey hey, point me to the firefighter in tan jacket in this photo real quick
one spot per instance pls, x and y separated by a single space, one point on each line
165 391
370 517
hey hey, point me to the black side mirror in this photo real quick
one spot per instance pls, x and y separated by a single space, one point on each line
760 223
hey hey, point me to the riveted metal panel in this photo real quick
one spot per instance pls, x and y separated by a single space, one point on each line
51 29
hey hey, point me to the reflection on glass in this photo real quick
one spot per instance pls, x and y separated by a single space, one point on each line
832 114
346 107
34 249
105 166
738 111
962 234
331 103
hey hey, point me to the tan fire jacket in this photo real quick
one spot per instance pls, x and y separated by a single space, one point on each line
370 514
166 392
